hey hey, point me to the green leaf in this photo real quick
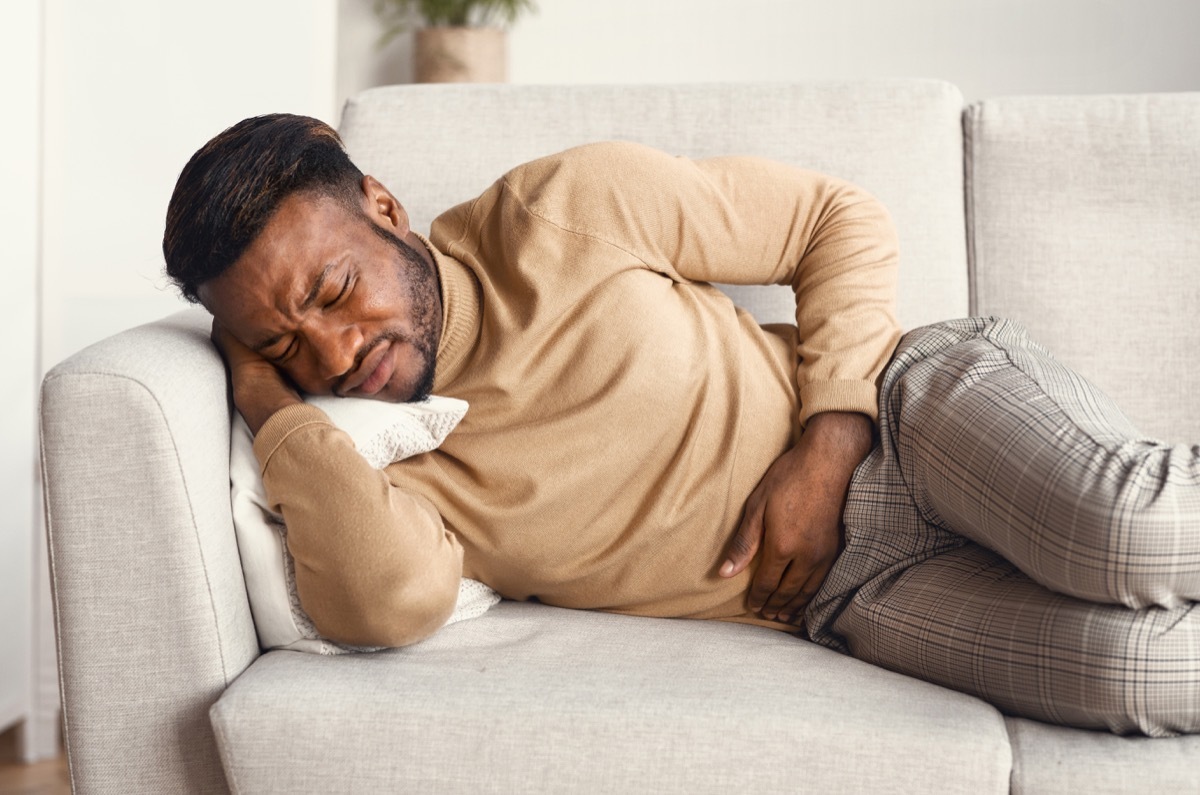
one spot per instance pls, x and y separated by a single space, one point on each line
397 15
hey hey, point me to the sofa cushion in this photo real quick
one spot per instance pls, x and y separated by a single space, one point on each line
436 146
1052 760
1083 227
530 698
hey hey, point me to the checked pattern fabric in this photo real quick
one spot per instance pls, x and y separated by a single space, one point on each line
1013 536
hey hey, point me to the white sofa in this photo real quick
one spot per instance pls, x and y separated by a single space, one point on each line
1078 216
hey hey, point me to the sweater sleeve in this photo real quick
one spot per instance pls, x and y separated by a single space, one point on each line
745 220
375 565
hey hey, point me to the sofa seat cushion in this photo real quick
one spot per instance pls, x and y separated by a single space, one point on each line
1052 760
530 698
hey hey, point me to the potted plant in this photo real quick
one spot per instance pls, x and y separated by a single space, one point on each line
462 41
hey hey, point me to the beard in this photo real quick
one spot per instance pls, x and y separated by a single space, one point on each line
424 299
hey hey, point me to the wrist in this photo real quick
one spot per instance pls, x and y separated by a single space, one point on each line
841 437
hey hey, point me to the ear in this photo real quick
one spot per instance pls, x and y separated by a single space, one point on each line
383 208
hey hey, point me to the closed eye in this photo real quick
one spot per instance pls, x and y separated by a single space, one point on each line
283 357
341 293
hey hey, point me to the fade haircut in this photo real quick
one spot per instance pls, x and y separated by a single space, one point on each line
233 185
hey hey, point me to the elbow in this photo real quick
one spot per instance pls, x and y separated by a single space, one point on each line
415 614
845 203
864 208
395 615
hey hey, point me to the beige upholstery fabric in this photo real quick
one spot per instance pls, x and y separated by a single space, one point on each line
1051 760
436 146
150 605
1085 227
530 698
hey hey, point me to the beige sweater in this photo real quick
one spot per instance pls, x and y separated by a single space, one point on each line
622 409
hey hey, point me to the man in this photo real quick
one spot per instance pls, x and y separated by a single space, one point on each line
635 444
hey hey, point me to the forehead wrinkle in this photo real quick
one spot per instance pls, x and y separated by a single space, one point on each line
297 233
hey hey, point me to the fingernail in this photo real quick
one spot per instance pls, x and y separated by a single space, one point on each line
727 569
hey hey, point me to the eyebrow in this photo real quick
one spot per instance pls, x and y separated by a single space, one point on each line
305 305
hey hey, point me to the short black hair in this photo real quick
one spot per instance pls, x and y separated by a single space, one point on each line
232 186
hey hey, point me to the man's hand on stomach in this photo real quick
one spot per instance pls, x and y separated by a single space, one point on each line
794 516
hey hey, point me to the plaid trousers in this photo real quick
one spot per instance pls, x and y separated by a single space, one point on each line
1013 536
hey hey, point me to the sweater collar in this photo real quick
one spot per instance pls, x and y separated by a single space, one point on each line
460 315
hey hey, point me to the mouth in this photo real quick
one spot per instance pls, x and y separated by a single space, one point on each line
374 373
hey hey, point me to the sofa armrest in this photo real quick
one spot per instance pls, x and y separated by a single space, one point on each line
151 613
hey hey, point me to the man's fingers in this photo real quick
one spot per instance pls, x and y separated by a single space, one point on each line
793 611
766 581
788 589
794 591
744 544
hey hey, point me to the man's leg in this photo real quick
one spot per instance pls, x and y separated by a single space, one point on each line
985 437
968 620
1002 444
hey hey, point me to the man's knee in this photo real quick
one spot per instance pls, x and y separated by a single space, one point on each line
1139 544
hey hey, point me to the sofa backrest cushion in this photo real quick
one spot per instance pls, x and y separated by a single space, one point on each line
1085 227
437 146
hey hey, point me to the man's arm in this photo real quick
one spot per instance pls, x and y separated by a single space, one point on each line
752 221
837 249
744 220
844 281
375 565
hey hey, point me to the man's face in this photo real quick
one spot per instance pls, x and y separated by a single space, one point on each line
336 299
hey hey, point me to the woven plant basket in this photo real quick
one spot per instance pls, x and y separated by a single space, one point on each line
461 55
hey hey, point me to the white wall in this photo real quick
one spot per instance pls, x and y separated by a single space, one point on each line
986 47
105 102
361 63
132 89
20 27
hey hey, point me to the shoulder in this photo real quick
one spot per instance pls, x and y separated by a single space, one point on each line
569 189
591 171
590 159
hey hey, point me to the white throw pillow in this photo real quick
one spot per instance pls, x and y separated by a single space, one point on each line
383 433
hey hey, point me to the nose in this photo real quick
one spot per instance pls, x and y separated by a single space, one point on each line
334 349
